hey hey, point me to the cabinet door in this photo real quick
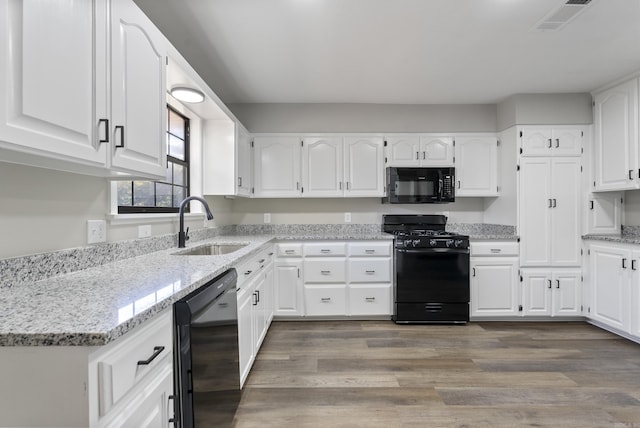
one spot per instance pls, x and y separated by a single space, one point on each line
535 211
243 160
277 167
245 334
259 315
494 289
536 141
267 294
566 141
288 300
605 212
436 151
47 90
476 166
322 167
634 304
566 292
616 137
138 92
149 408
403 150
566 226
610 285
363 166
536 292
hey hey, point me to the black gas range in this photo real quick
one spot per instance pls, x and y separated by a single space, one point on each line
431 270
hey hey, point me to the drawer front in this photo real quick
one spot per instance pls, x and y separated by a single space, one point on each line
325 299
370 270
496 248
325 270
120 368
325 249
371 249
289 249
370 299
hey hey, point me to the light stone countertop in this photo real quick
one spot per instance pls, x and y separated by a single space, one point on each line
621 239
93 307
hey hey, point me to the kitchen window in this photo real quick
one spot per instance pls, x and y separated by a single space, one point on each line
162 196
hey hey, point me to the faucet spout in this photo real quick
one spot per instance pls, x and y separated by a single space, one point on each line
182 236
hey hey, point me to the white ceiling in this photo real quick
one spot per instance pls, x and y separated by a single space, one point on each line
397 51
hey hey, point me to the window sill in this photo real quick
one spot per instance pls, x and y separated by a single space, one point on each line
150 218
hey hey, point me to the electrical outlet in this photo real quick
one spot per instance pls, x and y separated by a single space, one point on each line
347 217
144 231
267 217
96 231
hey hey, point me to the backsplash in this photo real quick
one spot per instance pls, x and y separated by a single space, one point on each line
475 229
27 269
306 229
631 230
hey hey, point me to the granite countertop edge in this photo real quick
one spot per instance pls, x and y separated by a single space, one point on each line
622 239
58 298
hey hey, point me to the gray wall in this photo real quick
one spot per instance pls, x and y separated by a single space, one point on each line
545 109
366 117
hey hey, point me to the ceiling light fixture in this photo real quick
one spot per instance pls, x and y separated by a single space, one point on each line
187 95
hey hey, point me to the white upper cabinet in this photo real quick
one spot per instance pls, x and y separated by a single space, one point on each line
616 138
605 212
82 93
48 94
551 141
476 166
363 166
138 92
322 159
243 162
277 167
419 150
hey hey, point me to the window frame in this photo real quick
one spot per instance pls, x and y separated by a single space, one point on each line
132 209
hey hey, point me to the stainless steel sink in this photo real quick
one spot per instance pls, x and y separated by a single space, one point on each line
211 250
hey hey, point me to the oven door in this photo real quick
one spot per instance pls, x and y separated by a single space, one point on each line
432 275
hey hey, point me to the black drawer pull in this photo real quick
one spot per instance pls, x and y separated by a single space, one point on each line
156 351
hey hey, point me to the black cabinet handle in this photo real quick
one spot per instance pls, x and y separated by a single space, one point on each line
121 129
624 263
630 174
417 155
106 130
549 142
474 271
633 264
550 203
557 143
557 283
156 351
549 283
590 205
554 202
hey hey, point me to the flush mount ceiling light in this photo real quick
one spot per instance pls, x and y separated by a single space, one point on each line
187 95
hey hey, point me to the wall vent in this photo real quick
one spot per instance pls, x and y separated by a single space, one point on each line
560 16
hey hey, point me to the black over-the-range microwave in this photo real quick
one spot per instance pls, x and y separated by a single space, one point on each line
425 185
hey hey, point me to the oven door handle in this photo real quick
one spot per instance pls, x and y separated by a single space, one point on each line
434 251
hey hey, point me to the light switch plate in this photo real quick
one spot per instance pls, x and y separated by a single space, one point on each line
347 217
267 217
96 231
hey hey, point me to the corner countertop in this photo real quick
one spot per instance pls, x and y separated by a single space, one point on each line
95 306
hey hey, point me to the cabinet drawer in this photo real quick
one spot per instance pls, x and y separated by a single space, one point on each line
325 299
369 299
289 249
122 367
370 249
325 270
325 249
496 248
370 270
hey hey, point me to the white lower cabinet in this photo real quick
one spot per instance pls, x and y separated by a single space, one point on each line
333 278
494 290
551 292
130 394
612 272
255 306
494 279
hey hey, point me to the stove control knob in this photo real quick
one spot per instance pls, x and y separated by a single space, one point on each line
459 243
433 243
450 243
415 242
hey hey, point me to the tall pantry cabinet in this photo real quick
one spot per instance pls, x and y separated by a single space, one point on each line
549 219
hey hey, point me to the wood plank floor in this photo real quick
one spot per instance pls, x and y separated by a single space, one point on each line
379 374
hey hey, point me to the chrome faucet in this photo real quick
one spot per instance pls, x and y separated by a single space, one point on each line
182 235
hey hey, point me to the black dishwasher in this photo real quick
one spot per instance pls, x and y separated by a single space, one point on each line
206 359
